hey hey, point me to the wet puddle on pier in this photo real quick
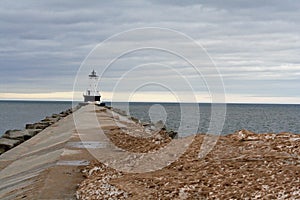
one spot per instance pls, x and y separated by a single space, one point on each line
73 162
87 145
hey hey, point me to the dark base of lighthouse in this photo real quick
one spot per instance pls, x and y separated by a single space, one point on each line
88 98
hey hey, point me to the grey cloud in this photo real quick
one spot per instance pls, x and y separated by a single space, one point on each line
50 39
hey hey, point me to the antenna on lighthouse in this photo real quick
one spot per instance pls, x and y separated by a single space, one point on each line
93 74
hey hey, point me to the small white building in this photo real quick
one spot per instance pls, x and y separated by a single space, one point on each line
92 94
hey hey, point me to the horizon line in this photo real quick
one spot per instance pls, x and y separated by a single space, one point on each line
107 101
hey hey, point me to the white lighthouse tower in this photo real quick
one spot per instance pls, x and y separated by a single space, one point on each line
92 94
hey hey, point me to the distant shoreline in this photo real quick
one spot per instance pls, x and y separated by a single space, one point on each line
140 102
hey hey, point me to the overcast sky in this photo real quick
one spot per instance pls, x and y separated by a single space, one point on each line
254 44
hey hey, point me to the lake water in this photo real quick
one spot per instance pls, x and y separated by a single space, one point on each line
255 117
259 118
15 114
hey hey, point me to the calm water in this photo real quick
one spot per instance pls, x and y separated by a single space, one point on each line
15 114
259 118
256 117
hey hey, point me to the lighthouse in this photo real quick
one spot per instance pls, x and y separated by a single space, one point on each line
92 94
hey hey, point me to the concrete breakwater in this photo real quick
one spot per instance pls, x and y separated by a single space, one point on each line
12 138
49 164
242 165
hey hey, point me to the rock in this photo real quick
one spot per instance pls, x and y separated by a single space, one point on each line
33 132
55 116
173 134
39 125
9 131
244 135
69 111
2 150
51 120
21 135
29 126
42 125
63 114
17 135
146 124
135 119
7 144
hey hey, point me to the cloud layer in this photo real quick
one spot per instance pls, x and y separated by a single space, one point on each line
255 44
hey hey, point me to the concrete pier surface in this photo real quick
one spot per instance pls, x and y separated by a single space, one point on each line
48 165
